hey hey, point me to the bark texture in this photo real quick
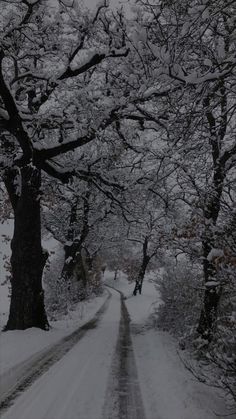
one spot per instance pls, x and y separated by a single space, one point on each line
145 261
28 258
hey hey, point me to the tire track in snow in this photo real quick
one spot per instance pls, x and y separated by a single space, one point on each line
14 381
123 398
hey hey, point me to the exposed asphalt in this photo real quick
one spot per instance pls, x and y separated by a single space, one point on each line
123 399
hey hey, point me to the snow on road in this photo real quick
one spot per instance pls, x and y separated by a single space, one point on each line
18 345
169 391
109 375
123 398
75 386
21 376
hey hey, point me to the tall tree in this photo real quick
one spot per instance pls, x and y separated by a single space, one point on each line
191 51
48 58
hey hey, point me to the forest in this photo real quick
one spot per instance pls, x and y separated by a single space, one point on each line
118 140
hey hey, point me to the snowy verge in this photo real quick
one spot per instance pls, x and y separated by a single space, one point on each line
169 390
17 346
167 386
6 232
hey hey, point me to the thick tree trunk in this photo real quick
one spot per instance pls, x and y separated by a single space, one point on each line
28 258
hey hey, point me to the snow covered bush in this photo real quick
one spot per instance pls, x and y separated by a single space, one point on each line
222 350
181 292
55 291
60 294
181 288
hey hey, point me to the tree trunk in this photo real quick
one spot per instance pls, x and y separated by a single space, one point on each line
70 260
140 278
74 244
142 270
208 315
28 258
80 270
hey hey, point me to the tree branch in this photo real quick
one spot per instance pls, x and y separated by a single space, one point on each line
29 12
63 176
45 154
14 125
96 59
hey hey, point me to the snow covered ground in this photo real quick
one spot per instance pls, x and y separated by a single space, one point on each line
79 384
6 231
18 346
168 389
75 386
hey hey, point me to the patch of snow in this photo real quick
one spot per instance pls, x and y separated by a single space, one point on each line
18 345
75 386
4 114
168 389
214 253
6 232
212 284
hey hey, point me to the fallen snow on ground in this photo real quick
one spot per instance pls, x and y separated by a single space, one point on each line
18 345
75 386
169 390
6 231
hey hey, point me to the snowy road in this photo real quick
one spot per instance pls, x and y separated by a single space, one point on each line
99 372
18 378
123 399
100 366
